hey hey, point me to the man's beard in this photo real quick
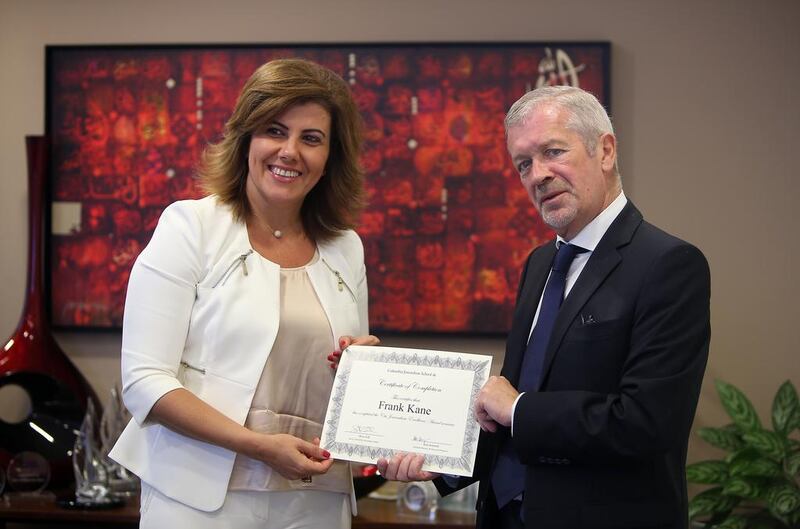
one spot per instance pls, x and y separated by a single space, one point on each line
559 218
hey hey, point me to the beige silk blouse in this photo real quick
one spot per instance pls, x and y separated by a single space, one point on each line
292 394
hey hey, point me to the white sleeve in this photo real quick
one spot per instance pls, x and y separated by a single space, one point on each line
513 409
158 307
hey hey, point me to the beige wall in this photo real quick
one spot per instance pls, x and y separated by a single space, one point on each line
704 99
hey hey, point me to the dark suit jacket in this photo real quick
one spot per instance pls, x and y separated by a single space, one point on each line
604 440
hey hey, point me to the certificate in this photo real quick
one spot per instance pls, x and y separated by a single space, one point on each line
387 400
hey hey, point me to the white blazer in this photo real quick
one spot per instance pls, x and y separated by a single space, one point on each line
202 313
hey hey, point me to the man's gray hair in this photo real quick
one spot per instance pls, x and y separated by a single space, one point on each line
587 116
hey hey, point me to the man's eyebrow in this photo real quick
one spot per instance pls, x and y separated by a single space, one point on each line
550 142
553 141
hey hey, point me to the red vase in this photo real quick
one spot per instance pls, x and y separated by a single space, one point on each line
32 360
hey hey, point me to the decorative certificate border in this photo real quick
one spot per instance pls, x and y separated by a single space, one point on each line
409 357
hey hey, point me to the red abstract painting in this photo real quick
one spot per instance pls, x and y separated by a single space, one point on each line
448 224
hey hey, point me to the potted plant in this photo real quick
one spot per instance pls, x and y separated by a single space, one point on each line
758 484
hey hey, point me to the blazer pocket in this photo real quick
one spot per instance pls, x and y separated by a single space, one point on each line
229 267
595 331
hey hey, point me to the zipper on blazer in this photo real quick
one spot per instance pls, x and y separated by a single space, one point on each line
340 282
187 365
233 266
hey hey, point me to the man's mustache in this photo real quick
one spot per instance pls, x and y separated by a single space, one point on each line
548 191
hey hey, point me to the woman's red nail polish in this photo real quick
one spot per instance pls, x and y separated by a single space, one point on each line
326 454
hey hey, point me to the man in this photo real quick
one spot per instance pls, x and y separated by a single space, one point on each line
588 425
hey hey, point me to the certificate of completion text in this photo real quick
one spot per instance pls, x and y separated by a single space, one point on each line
387 400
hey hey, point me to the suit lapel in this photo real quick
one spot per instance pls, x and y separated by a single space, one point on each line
536 273
602 262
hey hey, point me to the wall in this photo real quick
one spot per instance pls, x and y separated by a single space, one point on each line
704 105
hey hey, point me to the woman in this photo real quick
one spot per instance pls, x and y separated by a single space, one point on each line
232 307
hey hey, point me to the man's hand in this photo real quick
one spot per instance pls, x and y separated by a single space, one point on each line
405 467
494 403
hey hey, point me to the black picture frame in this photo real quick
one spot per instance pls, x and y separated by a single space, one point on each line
417 246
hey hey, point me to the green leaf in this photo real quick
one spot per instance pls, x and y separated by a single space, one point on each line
712 472
733 521
783 499
749 462
792 464
725 438
711 501
746 453
768 443
785 409
750 489
738 407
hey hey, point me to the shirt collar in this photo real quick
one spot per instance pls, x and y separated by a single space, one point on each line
589 237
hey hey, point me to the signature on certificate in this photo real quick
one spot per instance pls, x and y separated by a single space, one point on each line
362 429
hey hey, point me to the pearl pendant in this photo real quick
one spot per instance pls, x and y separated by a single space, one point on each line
277 234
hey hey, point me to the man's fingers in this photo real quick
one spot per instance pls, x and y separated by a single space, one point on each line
487 425
396 467
481 415
382 465
416 467
404 468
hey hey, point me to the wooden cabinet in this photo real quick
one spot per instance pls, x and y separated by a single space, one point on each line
42 510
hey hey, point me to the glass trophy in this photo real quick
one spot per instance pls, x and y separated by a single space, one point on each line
91 475
115 417
28 472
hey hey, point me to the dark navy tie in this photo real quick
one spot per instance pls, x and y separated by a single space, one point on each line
508 479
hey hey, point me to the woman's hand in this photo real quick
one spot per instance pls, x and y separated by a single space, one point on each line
347 341
290 456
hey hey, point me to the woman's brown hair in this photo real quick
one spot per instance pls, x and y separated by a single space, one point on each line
337 199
